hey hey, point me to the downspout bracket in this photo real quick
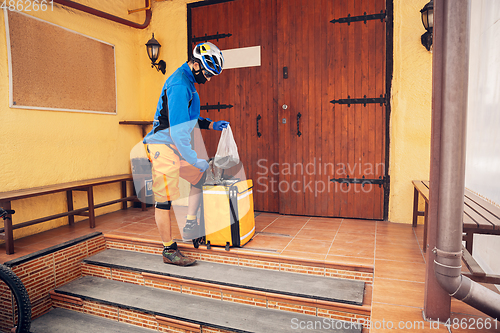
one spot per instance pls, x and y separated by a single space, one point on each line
445 254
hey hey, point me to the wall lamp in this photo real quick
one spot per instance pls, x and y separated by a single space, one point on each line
153 48
428 22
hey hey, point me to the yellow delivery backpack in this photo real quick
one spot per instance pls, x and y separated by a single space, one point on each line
228 214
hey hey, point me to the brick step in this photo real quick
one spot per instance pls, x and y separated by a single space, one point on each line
285 283
250 258
325 297
165 310
63 320
43 270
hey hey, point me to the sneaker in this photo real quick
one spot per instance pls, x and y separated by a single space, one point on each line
171 255
191 230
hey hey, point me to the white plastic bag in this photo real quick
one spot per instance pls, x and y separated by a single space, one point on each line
213 174
227 151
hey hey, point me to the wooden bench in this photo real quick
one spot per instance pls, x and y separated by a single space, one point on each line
420 188
6 198
480 217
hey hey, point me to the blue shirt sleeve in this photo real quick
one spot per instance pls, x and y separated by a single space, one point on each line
180 123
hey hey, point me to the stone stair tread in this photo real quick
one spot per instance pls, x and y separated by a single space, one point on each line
287 283
63 321
194 309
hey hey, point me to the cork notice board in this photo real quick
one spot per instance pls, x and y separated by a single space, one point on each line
53 68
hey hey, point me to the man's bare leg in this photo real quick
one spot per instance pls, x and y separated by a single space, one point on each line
191 229
162 218
171 255
194 200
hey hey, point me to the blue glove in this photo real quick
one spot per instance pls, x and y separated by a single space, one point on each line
201 164
220 125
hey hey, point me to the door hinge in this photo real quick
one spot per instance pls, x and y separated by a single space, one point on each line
211 37
363 181
217 107
382 100
363 18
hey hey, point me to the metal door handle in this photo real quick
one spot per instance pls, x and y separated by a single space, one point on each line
259 134
298 124
285 106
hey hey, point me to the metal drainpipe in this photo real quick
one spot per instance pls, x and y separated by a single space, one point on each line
447 263
107 16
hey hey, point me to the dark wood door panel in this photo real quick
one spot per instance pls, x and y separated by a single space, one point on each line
250 90
356 69
303 146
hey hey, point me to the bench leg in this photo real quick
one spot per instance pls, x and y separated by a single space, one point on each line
9 235
90 198
469 238
143 197
124 194
415 207
69 200
426 213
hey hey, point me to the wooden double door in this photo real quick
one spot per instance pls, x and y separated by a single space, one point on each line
310 121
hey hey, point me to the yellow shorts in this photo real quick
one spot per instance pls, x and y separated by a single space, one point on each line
168 166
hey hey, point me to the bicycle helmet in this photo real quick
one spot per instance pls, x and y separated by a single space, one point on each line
210 57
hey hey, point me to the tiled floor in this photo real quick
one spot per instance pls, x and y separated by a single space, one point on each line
393 250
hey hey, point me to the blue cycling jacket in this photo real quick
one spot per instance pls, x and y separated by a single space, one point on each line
177 113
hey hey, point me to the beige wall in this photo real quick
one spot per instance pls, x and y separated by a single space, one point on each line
411 109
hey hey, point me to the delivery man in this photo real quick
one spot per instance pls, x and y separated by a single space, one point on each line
169 148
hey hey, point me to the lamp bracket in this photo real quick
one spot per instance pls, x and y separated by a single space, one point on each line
160 66
426 39
363 18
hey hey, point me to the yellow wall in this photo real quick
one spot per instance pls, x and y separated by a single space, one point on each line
411 109
46 147
169 24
